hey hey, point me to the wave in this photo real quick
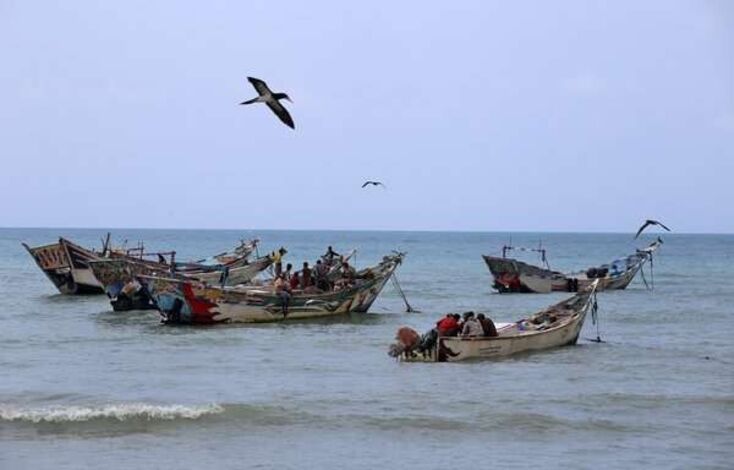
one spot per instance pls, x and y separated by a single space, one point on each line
118 412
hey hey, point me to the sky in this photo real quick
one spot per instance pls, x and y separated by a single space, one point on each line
577 116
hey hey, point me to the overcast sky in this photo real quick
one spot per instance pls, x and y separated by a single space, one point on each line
528 115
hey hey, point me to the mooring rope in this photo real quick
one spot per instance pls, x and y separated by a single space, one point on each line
595 318
396 284
644 280
652 275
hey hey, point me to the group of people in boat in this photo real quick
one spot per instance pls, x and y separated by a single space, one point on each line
470 325
311 280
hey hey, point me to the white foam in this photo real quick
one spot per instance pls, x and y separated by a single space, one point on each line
120 412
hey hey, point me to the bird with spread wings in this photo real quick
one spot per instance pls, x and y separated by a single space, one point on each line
373 183
649 222
272 100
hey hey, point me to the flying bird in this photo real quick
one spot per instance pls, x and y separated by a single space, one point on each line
373 183
649 222
272 100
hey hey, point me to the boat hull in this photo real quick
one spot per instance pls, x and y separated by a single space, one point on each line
66 265
119 278
192 302
520 337
513 276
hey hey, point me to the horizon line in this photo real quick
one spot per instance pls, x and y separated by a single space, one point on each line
356 230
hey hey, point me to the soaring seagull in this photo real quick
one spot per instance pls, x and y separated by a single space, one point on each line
271 99
649 222
373 183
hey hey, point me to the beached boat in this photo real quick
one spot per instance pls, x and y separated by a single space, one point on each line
557 325
118 277
190 301
66 264
512 275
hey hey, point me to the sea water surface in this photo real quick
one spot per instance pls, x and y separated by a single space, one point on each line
83 387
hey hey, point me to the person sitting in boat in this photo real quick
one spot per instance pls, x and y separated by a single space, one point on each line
305 275
471 327
294 281
487 325
348 272
282 290
347 278
447 326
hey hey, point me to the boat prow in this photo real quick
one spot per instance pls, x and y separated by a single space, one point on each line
66 265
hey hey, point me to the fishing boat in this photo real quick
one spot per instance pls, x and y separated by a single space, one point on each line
118 276
195 302
512 275
555 326
66 264
117 272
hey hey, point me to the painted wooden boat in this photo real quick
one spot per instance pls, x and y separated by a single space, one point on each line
66 265
555 326
118 275
511 275
195 302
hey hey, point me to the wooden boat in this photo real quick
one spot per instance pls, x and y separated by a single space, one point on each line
557 325
117 273
512 275
190 301
67 266
118 276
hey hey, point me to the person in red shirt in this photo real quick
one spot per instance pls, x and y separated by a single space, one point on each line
447 326
295 279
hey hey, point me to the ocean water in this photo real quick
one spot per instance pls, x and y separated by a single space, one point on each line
83 387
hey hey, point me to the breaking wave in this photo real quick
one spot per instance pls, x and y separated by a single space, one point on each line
118 412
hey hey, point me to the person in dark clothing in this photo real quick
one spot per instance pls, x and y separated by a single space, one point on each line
288 272
305 275
331 254
321 271
487 325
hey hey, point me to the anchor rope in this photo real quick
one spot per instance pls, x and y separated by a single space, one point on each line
595 317
396 284
652 275
644 280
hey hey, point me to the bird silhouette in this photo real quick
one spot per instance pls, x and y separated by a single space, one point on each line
272 100
649 222
373 183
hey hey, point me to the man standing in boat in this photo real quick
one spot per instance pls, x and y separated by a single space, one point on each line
282 290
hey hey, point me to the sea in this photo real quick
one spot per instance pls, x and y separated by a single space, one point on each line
84 387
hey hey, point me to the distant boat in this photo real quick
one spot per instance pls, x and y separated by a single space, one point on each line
512 275
555 326
194 302
66 264
71 267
